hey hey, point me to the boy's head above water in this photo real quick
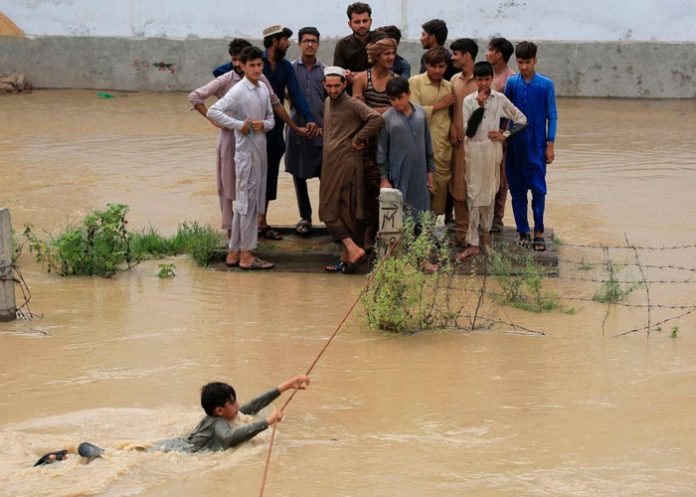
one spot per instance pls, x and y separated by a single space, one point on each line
219 400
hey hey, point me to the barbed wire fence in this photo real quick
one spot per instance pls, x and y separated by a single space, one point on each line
576 259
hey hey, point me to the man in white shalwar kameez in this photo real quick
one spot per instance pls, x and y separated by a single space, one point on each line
247 110
481 112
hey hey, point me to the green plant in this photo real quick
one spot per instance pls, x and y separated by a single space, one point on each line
101 244
521 280
166 270
675 331
611 290
557 240
403 296
98 246
585 266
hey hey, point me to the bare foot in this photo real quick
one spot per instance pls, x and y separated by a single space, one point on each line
469 252
428 267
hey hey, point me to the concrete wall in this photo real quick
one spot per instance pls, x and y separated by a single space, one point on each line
611 69
587 20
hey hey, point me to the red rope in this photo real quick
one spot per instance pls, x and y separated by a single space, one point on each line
316 360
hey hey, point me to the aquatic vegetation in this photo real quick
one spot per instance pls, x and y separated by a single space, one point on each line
521 280
585 266
166 270
404 295
675 331
611 290
100 245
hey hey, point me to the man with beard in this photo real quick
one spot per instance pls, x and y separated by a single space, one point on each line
225 142
348 125
351 52
433 35
303 155
235 47
276 40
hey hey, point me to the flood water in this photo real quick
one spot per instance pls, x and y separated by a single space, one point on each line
574 412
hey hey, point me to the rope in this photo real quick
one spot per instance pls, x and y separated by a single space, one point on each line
321 353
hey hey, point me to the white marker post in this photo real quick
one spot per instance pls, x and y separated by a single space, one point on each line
8 309
391 218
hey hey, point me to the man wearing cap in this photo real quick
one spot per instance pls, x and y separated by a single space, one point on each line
276 40
348 125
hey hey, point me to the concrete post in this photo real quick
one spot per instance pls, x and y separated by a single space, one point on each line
8 306
391 218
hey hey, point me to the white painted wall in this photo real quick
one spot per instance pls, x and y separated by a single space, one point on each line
582 20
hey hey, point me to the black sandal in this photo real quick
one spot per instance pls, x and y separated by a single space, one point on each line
270 234
525 240
539 244
58 455
303 227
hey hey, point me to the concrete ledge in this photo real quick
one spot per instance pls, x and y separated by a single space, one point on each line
580 69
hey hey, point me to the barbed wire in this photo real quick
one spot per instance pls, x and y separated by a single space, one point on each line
624 247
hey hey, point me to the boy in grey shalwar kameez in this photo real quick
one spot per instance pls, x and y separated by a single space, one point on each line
247 110
404 149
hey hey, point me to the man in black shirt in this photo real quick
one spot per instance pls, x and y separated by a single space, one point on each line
351 52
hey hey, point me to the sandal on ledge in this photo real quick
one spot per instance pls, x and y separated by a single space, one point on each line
303 227
270 234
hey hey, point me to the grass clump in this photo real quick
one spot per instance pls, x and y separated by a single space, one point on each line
611 290
101 244
521 280
166 270
403 296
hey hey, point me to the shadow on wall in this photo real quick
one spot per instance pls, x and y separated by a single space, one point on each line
9 28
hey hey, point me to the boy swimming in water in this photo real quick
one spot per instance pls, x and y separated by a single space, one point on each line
219 401
214 432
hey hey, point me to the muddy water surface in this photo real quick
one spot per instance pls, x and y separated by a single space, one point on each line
119 362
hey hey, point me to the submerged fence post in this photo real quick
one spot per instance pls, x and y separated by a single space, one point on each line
391 218
8 306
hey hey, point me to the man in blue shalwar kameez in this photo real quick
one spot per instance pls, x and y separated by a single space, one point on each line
533 148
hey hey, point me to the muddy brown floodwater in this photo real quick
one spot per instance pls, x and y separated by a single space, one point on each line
576 412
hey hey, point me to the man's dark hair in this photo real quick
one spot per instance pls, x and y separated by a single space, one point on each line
465 45
436 56
483 69
268 40
437 28
216 395
503 46
250 53
237 45
397 86
391 32
309 30
358 8
526 50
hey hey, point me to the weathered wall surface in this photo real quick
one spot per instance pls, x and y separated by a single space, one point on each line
589 20
585 69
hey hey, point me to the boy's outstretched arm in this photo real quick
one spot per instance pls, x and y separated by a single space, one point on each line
299 382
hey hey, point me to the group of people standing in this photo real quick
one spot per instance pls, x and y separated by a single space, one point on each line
453 139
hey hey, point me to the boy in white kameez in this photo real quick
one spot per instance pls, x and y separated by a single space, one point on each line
481 112
247 110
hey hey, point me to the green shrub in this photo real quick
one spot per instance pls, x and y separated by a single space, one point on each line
403 296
